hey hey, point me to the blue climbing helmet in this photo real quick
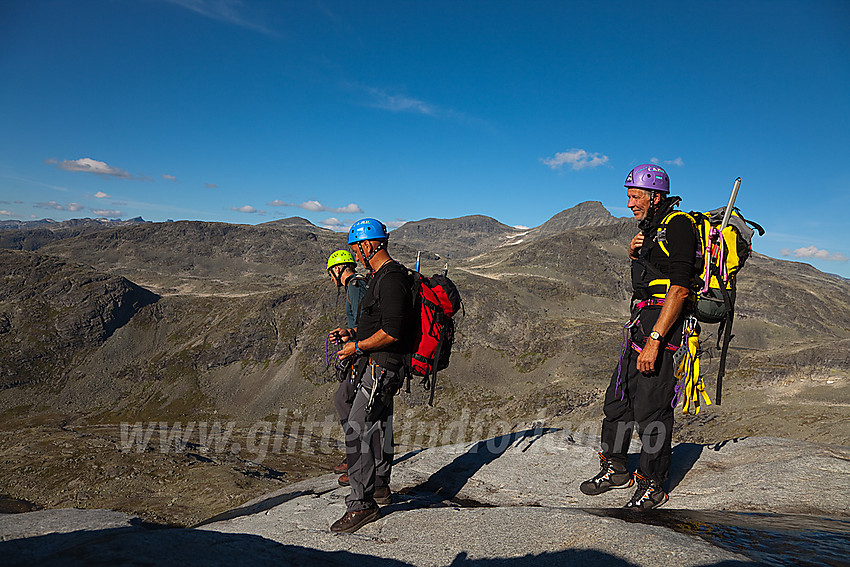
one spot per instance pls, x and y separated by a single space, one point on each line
367 229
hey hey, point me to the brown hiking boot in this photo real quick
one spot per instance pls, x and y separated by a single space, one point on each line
341 468
343 480
611 475
383 495
353 521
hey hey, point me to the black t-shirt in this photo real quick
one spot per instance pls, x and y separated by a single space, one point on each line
387 306
679 239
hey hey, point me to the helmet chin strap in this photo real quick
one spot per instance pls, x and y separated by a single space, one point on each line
646 223
337 275
366 258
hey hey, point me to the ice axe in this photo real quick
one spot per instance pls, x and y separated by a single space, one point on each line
727 328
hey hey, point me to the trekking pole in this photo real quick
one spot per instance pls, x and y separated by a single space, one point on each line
418 256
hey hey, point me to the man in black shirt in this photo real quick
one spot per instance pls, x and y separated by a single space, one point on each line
380 341
642 387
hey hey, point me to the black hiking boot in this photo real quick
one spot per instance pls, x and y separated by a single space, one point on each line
647 496
612 475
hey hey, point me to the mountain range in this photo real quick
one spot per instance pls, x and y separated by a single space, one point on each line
110 322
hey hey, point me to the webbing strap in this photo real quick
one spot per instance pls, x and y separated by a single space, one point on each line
651 302
638 348
689 384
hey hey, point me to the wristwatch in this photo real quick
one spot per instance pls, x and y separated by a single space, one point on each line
655 336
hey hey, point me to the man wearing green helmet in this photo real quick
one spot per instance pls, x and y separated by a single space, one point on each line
379 343
341 269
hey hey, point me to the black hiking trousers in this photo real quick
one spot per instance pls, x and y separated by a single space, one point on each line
644 402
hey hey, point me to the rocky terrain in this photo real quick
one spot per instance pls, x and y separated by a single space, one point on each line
118 332
509 499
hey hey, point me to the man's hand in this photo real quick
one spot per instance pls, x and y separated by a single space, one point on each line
346 350
635 245
340 335
646 358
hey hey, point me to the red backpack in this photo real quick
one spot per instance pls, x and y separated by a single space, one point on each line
435 302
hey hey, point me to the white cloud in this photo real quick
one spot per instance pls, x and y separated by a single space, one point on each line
317 207
7 213
245 209
101 195
49 205
88 165
395 224
816 253
168 177
334 223
576 158
400 103
678 161
106 213
227 11
59 207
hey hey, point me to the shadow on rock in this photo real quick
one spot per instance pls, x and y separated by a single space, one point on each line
447 482
685 456
262 506
181 547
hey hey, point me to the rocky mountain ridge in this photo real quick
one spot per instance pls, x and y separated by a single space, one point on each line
196 321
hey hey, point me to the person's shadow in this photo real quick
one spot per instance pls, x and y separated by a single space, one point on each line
443 487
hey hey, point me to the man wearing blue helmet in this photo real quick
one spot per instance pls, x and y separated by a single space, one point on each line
379 342
642 387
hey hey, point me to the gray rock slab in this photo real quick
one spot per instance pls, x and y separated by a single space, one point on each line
451 535
545 468
514 498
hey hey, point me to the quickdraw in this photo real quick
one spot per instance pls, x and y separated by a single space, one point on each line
623 346
377 385
689 384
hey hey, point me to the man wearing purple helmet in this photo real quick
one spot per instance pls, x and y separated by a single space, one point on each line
642 386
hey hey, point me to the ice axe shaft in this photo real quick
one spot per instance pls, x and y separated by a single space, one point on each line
728 213
727 328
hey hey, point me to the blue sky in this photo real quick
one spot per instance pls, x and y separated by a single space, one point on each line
249 111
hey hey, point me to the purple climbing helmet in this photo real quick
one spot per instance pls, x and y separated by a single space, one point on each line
649 176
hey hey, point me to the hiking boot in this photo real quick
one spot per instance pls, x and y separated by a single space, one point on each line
343 480
353 521
383 496
341 468
612 475
647 496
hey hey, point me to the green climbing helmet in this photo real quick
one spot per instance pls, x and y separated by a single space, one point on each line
340 257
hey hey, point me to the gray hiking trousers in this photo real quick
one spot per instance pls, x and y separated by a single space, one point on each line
343 399
369 442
